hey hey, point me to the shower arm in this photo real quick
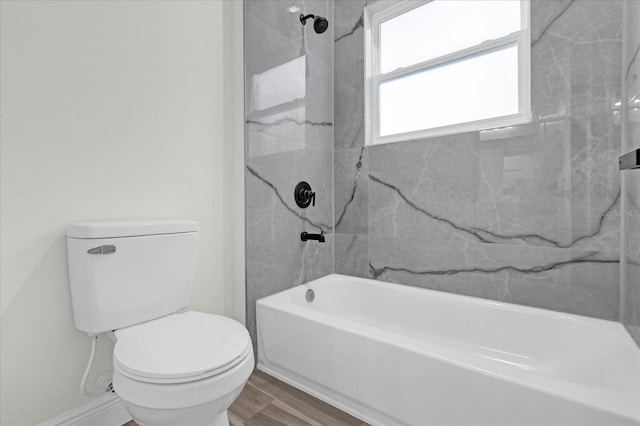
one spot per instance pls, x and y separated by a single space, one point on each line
303 18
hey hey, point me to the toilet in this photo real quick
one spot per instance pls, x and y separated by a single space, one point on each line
171 366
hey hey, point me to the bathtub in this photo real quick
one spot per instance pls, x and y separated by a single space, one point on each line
399 355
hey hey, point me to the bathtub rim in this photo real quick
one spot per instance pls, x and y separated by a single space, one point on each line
577 392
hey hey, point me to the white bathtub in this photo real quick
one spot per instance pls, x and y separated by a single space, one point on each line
399 355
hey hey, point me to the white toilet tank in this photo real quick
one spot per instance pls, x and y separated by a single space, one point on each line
125 273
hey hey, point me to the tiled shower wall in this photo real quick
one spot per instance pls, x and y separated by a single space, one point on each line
631 140
289 114
529 214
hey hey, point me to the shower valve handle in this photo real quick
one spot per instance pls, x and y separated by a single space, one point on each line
309 195
303 195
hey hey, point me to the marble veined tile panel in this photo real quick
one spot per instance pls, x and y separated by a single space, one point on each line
548 191
351 174
576 281
631 301
283 262
631 213
496 191
349 106
289 138
276 258
277 175
351 254
273 36
632 128
349 73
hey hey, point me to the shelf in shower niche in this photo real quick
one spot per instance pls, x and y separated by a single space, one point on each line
630 160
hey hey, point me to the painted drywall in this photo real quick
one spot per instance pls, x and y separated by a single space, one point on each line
109 110
233 132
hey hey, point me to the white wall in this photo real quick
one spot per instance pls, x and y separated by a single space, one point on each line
233 30
110 110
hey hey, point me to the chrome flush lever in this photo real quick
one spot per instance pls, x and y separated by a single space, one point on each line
108 249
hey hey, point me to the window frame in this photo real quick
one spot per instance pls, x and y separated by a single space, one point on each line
384 10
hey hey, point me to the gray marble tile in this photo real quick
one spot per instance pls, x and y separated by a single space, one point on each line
299 124
319 72
548 190
349 22
349 106
276 132
631 124
631 212
575 54
349 74
575 77
283 263
631 298
278 175
351 255
576 281
289 138
499 193
549 183
276 258
351 174
273 35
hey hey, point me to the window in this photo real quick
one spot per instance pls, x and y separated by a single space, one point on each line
442 67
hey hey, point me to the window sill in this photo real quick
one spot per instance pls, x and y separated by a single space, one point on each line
475 126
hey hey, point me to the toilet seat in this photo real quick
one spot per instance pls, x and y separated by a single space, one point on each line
180 348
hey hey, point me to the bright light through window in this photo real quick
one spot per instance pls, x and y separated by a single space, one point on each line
475 88
441 27
443 67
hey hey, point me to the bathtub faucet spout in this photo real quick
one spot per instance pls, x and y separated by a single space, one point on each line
308 236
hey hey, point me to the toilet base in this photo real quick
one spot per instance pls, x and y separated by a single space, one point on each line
198 403
211 414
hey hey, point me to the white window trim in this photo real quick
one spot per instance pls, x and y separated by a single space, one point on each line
381 11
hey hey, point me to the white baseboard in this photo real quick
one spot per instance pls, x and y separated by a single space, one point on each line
106 410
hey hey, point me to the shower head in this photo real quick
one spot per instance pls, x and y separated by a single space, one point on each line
320 24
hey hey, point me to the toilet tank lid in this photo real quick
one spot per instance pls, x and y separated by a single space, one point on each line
129 228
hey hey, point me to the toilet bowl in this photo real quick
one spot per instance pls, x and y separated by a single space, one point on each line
171 366
182 369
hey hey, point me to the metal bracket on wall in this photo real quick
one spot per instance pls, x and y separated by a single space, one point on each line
630 160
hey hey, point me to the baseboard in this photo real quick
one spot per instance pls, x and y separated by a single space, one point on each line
106 410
